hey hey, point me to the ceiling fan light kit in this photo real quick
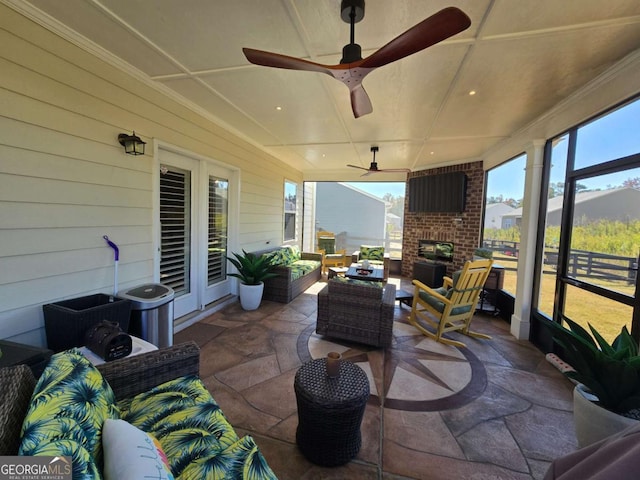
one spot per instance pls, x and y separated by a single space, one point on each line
352 68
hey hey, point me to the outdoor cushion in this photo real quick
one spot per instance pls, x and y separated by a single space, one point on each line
302 267
368 252
69 405
131 454
193 432
284 256
438 305
290 254
328 244
354 287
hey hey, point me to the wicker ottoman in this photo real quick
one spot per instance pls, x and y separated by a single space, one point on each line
330 412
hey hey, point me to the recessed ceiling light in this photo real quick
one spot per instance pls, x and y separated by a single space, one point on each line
432 153
472 92
278 108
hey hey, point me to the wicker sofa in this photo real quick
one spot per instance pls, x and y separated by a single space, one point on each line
296 271
356 310
157 395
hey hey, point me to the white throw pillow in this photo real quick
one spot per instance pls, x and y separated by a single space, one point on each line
131 454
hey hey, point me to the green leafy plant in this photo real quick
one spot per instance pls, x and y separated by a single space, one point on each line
610 371
483 252
252 269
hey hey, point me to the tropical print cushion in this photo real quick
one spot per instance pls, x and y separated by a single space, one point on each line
69 405
193 432
242 460
302 267
274 257
368 252
284 255
290 254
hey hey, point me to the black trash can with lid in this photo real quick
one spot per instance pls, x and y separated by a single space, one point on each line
151 313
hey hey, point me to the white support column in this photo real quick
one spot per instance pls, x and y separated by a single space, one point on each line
520 320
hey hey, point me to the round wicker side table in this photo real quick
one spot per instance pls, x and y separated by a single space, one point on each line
330 412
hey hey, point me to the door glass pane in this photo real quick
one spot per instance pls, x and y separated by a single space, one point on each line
290 210
606 315
613 136
217 230
552 219
175 229
605 236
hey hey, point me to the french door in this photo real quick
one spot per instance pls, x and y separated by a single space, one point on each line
194 206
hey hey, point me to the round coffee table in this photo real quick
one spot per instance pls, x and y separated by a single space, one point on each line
330 412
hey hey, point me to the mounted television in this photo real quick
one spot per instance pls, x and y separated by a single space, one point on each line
443 193
435 250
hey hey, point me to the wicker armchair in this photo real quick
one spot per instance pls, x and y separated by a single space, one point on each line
357 311
127 377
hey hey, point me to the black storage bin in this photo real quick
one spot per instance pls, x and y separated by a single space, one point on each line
67 321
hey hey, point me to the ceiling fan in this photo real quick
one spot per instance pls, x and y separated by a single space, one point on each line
373 168
352 67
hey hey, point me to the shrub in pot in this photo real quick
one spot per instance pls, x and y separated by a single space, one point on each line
608 377
253 270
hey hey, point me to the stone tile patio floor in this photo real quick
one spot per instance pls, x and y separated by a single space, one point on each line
495 410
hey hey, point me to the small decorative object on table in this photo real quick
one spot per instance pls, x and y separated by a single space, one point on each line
333 364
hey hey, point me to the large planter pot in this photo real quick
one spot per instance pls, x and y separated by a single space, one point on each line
251 295
592 422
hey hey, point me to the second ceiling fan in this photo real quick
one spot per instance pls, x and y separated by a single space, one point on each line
373 168
352 67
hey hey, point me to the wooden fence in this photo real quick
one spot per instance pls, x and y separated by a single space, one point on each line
581 262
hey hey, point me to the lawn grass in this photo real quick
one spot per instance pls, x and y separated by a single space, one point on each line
607 316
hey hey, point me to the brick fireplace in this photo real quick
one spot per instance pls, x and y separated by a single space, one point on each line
463 229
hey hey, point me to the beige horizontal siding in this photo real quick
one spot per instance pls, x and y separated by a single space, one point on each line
65 181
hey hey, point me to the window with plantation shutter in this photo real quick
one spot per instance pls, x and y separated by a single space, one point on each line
175 229
217 230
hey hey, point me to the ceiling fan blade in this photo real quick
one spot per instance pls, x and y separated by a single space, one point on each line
436 28
270 59
356 166
360 101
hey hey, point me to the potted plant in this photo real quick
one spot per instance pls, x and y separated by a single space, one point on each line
252 271
607 396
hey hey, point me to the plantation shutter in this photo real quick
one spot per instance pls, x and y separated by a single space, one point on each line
217 230
175 229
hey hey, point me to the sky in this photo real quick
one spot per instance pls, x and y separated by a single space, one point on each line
607 138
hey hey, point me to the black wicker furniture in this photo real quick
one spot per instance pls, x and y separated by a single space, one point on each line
288 285
330 412
357 311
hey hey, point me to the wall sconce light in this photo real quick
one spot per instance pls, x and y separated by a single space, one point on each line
132 144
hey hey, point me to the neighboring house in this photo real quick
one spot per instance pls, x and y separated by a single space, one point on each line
615 204
494 213
355 216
